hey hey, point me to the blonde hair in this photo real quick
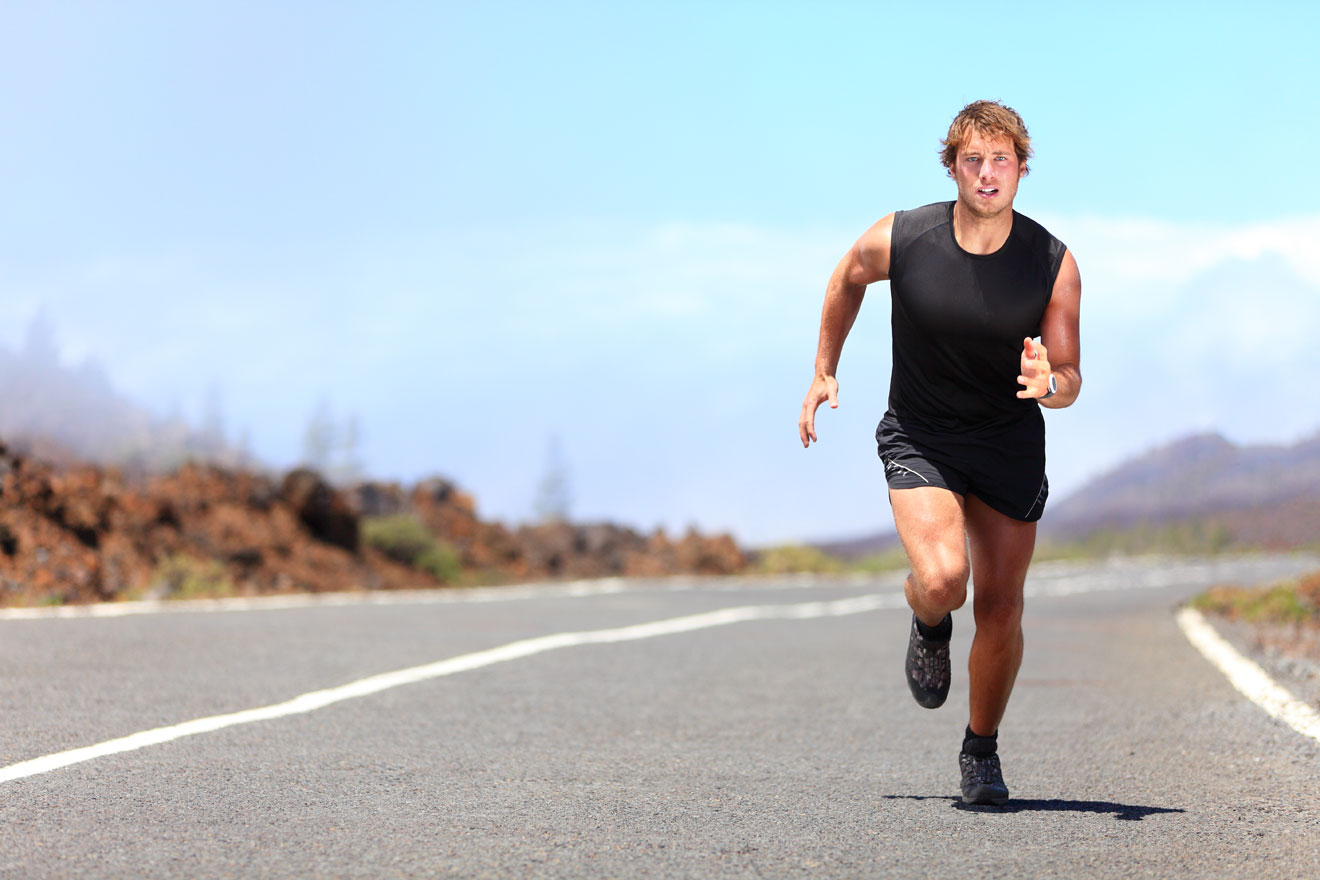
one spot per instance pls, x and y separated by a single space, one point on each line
989 119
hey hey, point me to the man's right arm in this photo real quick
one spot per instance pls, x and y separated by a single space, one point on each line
867 261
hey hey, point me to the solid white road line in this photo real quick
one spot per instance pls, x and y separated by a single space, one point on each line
1252 681
314 700
446 595
1058 578
440 595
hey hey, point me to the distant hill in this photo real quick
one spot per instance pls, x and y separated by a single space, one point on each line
1196 477
1198 492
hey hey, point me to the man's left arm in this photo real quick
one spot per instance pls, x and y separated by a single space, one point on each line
1060 349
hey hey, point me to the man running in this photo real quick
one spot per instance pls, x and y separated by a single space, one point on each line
972 282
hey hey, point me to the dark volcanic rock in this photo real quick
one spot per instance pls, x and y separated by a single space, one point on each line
325 512
81 534
378 499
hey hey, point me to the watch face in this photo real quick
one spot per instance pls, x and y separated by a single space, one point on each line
1054 386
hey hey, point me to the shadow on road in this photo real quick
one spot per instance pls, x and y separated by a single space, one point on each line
1126 812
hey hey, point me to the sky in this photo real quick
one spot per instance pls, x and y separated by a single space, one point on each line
504 235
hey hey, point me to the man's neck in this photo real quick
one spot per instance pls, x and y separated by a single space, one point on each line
981 235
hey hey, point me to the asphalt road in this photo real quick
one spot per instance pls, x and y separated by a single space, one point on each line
762 748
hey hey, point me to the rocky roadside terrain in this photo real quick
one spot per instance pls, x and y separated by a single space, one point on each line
1290 653
82 533
1277 625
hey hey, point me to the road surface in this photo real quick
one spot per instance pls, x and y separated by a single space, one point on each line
776 741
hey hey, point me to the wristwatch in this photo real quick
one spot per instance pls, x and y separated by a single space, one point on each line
1053 386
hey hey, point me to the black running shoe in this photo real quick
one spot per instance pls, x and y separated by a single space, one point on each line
982 780
927 668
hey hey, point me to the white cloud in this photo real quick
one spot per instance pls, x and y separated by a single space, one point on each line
1132 263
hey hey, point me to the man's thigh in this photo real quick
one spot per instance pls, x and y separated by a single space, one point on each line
932 525
1001 548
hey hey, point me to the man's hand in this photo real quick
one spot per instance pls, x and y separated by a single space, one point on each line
823 388
1035 370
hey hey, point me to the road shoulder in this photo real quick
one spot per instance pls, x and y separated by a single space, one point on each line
1249 677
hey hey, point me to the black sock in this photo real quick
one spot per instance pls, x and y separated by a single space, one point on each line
981 746
940 632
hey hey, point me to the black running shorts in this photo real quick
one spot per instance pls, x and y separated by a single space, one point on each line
1004 467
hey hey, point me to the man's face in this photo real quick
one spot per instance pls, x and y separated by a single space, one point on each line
987 172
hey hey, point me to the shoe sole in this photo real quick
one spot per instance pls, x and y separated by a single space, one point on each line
986 796
925 699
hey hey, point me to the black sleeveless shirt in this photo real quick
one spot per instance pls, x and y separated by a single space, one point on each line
959 320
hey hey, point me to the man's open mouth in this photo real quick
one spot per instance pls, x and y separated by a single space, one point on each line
988 190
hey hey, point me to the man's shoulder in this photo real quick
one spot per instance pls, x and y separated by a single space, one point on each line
914 231
915 222
1040 241
934 213
1024 225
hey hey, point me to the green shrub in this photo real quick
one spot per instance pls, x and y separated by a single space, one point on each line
1189 537
440 561
186 577
1278 603
795 558
402 538
407 540
895 559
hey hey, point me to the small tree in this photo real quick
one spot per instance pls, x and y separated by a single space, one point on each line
348 467
213 440
553 496
319 438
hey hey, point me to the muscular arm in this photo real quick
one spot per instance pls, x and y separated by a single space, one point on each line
1061 345
867 261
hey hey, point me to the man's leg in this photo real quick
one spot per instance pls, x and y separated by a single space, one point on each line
931 525
1001 552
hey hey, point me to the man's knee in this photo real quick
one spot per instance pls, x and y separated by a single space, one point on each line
998 612
943 586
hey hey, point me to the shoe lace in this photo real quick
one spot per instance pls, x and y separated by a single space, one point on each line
983 769
932 660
